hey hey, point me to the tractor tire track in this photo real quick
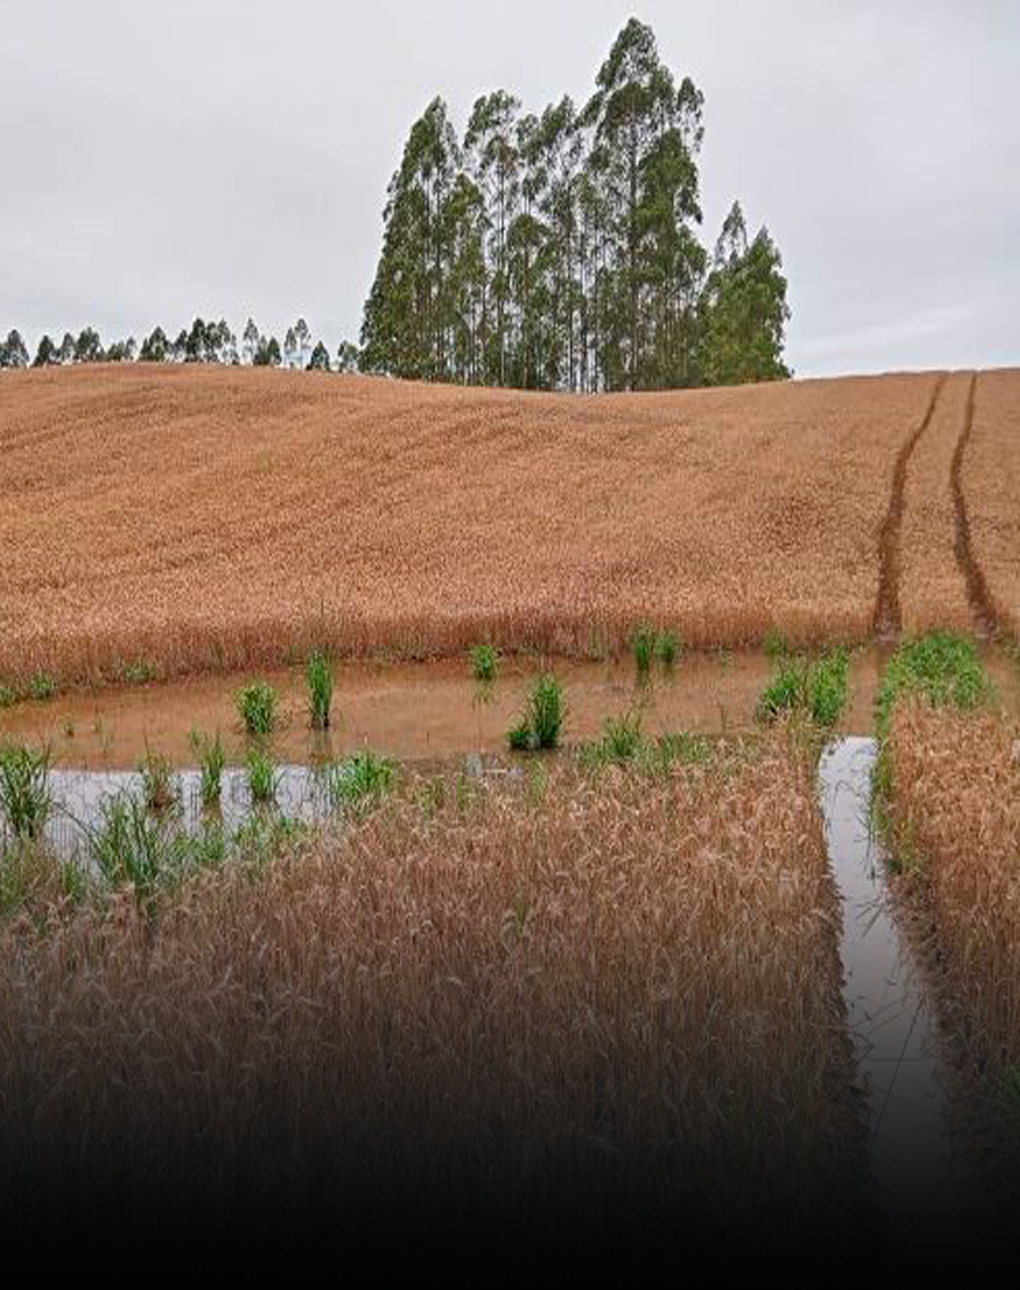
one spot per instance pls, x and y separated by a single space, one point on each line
977 588
887 619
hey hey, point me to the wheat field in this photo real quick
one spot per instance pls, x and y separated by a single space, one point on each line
205 518
574 1006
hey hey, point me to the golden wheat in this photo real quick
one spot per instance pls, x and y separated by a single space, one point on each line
218 518
606 1001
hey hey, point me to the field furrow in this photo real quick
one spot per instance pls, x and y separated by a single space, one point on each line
887 619
989 473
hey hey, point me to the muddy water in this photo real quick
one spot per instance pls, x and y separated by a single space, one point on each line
894 1031
409 712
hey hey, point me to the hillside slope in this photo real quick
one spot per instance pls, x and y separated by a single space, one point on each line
202 517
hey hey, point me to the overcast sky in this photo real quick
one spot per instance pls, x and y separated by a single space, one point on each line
231 158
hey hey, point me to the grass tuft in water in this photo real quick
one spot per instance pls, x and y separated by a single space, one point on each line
256 705
642 645
319 675
42 686
359 781
943 667
818 689
211 762
667 649
25 799
544 714
262 776
484 662
159 790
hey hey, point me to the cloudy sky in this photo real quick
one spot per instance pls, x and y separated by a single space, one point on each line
231 158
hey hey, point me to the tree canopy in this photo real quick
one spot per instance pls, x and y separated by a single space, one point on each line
561 250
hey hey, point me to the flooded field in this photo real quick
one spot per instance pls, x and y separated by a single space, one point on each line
423 711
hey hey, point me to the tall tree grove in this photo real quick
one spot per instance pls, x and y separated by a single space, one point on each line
561 251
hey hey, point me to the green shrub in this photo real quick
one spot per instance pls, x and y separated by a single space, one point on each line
256 704
319 675
484 662
25 799
8 696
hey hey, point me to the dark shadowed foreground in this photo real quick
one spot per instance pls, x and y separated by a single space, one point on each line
563 1012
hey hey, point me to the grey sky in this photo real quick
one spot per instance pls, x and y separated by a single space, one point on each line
231 158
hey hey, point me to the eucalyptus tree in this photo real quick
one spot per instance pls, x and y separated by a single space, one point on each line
155 347
494 163
66 351
290 348
304 339
47 353
744 309
250 337
643 162
88 348
13 352
348 357
406 323
319 360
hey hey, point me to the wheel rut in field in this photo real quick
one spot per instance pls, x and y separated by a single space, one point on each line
963 549
887 618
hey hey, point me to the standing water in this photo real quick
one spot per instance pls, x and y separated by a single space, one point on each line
893 1028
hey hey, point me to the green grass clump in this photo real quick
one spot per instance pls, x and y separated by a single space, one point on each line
818 689
140 672
519 737
775 645
132 847
667 649
546 711
543 718
25 799
484 662
620 742
256 705
8 696
683 749
319 675
786 692
827 687
262 776
158 788
211 761
42 686
358 781
943 667
642 644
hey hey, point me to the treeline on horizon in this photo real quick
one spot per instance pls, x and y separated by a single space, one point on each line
205 342
561 251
